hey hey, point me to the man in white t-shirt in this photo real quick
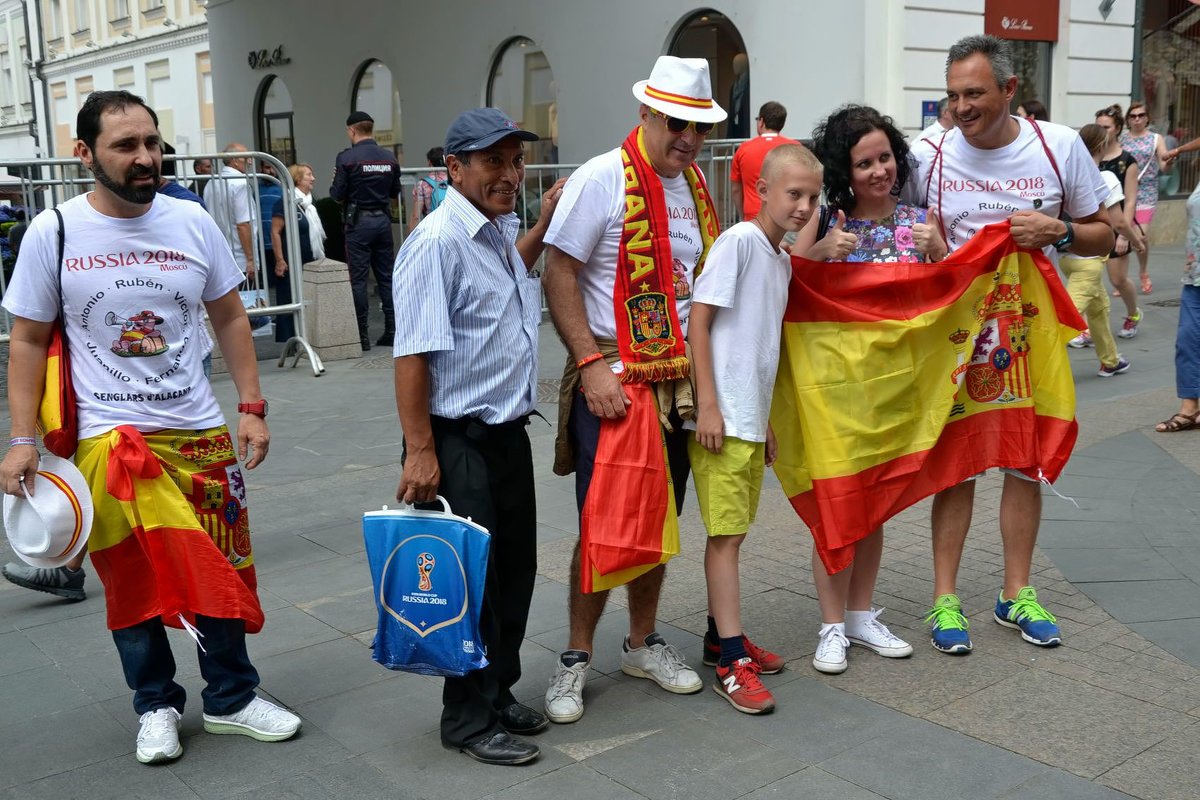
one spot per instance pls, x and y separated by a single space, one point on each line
584 248
127 270
232 205
994 167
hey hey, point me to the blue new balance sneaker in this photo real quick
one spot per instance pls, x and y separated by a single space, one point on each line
1036 624
949 631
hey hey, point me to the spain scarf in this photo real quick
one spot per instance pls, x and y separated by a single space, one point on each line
171 537
899 380
649 335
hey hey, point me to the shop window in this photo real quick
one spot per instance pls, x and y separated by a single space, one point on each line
1031 63
521 84
1169 82
376 94
275 132
710 35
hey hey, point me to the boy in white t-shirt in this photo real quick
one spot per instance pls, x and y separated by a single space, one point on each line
1083 274
736 317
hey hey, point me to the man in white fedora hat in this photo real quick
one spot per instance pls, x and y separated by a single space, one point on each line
630 232
171 541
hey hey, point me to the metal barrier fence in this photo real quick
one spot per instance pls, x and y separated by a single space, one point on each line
46 183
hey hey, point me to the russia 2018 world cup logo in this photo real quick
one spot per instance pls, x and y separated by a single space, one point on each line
425 563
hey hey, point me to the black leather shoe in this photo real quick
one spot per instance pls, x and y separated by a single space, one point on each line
387 340
523 720
502 749
366 343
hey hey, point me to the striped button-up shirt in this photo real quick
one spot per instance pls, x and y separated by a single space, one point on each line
462 294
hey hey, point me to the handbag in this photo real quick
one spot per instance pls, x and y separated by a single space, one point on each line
428 572
57 418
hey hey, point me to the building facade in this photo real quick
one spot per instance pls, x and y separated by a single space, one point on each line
17 114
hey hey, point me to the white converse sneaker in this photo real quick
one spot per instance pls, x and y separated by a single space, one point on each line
831 650
261 720
864 629
661 663
564 698
158 737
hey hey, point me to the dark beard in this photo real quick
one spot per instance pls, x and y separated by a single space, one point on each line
125 191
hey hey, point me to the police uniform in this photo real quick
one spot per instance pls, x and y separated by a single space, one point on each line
365 181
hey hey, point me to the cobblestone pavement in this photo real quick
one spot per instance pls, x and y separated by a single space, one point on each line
1114 711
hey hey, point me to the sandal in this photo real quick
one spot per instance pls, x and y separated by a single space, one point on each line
1147 286
1178 422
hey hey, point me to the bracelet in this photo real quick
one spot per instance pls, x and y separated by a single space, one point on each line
583 362
18 440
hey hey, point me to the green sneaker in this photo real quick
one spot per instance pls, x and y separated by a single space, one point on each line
1036 624
949 631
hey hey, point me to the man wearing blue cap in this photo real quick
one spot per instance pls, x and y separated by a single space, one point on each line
467 312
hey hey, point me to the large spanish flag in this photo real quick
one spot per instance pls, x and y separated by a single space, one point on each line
899 380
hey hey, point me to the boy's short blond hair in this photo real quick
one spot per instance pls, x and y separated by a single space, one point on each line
786 154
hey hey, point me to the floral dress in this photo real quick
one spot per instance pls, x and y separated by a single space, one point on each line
1143 149
1191 270
887 240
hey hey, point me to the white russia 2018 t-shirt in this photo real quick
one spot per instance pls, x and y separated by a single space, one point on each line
972 188
747 279
132 290
587 226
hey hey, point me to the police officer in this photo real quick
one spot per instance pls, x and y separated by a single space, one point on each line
365 180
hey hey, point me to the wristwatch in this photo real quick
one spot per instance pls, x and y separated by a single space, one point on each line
258 409
1063 244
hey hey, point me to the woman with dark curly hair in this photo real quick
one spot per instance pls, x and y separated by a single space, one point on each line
866 163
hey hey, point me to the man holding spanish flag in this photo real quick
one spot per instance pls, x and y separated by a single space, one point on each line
994 167
629 236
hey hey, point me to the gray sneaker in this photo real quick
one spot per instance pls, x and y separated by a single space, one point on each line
61 581
661 663
564 698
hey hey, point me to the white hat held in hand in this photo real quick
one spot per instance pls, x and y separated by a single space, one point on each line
50 526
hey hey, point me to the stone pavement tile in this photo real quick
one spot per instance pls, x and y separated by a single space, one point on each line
548 533
1103 465
1084 729
693 759
73 638
538 664
37 748
343 538
554 559
1146 601
101 677
18 654
22 608
286 630
353 778
424 768
378 714
1070 532
1185 559
887 765
611 633
1085 564
282 551
548 609
219 766
39 692
311 673
1060 786
814 783
575 780
1092 509
1073 485
1168 770
121 778
1181 637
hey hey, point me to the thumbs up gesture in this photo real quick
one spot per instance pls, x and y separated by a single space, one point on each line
927 236
837 243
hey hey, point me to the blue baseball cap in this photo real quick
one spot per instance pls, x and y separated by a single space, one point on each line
480 128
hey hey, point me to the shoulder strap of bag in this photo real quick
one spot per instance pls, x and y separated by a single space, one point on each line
1053 163
62 237
823 222
1150 160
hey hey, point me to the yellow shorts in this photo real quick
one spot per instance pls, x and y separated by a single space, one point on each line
728 484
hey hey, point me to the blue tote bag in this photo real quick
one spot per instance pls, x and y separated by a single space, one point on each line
428 569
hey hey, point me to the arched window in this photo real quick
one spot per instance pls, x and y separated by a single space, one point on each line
522 85
710 35
376 94
275 131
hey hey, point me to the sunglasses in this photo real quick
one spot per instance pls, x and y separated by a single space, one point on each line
1138 115
678 126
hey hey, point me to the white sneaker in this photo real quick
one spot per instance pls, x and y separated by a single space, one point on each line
261 720
864 629
158 737
661 663
831 650
564 698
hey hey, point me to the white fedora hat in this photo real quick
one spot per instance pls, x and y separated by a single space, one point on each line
50 526
680 87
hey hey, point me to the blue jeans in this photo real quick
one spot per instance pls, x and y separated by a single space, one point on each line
149 666
1187 345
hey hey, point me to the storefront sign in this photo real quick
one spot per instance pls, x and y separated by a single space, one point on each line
262 59
1032 20
929 113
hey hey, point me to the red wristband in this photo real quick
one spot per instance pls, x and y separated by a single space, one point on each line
583 362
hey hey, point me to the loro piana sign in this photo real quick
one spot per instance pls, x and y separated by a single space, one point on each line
1034 20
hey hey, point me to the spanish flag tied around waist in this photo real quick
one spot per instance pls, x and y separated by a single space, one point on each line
899 380
171 537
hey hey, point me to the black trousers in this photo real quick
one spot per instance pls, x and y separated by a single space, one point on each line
487 474
369 249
